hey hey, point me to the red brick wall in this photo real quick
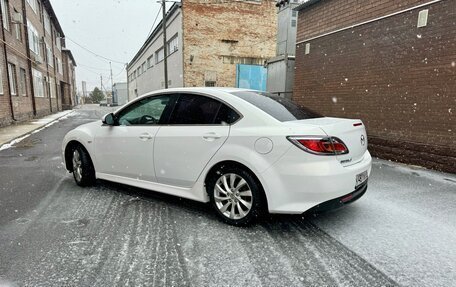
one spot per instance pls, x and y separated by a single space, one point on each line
17 55
5 109
330 15
399 79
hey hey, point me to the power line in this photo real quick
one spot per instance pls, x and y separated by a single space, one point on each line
153 25
119 73
84 65
97 73
95 54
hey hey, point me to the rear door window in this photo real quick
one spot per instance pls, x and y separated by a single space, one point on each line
201 110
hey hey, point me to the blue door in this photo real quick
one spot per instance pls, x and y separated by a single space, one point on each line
251 77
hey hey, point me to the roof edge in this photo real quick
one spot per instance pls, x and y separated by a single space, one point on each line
157 29
53 16
305 4
68 51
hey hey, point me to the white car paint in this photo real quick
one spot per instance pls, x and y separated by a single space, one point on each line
176 159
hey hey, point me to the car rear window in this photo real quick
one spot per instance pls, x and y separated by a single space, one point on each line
279 108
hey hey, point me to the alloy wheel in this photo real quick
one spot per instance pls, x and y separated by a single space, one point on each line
233 196
77 165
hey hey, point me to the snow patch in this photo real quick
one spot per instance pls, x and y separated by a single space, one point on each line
13 142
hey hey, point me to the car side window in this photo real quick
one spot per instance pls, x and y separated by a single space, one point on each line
226 115
147 111
195 110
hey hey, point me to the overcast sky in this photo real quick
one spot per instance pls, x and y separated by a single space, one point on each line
115 29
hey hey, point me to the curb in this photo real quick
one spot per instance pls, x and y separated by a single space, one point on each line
34 129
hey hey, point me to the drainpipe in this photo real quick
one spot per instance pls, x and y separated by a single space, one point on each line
55 69
48 81
29 60
7 67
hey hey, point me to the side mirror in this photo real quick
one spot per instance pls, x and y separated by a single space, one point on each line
108 119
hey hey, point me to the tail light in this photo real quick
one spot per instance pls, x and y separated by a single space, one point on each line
319 145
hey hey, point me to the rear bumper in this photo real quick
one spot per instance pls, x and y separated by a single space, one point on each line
340 201
295 184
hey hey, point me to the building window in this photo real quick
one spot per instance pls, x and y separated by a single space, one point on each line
38 87
159 55
149 62
1 82
12 79
58 42
18 27
209 83
5 14
143 67
47 22
34 39
52 87
22 82
49 56
242 60
138 71
173 45
33 4
293 23
59 66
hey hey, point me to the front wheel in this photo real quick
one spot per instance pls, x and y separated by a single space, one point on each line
83 170
236 196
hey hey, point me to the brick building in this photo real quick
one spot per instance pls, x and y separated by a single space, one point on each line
206 40
390 63
36 72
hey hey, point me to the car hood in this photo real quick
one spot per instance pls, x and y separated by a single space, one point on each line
90 126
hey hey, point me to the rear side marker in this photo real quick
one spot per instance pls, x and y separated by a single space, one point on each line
357 124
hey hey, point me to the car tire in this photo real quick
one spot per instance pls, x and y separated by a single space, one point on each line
236 195
83 170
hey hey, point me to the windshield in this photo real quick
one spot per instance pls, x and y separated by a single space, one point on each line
281 109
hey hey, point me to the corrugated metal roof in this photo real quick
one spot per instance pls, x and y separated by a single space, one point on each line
306 4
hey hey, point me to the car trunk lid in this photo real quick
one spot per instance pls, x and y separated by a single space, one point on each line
351 132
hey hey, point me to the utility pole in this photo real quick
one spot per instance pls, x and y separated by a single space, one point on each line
84 92
112 85
165 59
101 82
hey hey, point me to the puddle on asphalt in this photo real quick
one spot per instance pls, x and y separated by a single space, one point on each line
27 143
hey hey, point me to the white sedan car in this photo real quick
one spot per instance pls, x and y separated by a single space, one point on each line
246 152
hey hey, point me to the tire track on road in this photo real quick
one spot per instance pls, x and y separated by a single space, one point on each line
321 260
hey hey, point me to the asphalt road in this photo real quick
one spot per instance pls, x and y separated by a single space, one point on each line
54 233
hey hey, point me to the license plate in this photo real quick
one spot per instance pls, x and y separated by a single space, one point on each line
360 178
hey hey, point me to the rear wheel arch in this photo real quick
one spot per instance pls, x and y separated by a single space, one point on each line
213 172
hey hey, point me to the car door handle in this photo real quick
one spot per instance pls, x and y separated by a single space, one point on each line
145 136
211 136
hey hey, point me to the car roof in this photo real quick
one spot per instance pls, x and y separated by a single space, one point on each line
202 89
